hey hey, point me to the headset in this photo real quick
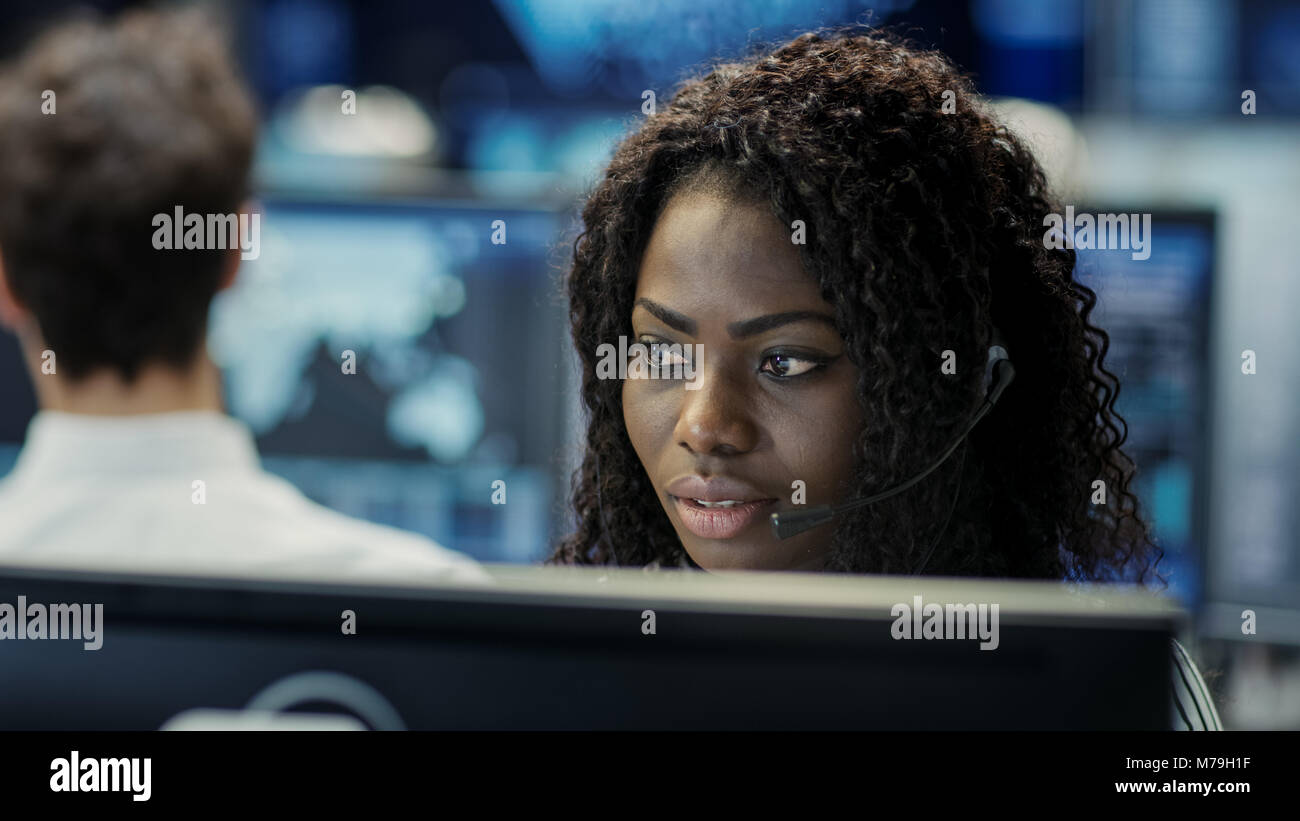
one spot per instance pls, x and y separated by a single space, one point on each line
998 373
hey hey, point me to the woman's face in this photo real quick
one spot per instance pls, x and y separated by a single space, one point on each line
774 399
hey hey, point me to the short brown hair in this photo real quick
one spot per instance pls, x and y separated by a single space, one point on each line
148 114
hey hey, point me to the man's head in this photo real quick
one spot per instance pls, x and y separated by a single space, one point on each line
104 125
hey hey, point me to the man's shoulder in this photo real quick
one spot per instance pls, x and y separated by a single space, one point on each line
249 524
332 541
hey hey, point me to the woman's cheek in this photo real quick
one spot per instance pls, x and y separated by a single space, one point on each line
830 454
643 415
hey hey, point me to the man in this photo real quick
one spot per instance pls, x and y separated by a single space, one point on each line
131 463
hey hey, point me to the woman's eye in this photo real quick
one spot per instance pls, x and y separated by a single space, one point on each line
785 365
666 356
666 360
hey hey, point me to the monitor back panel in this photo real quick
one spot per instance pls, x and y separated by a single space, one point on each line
499 659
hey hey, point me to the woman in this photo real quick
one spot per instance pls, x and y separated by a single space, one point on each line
821 241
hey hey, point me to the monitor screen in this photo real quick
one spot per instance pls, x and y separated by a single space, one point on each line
406 363
1156 311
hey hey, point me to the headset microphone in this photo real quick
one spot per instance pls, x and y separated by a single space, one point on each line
998 373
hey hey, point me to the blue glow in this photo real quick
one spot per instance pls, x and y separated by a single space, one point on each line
623 47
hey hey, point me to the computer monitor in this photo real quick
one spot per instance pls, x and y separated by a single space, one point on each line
594 649
1156 312
401 361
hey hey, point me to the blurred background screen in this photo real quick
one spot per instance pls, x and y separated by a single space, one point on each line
395 394
1156 314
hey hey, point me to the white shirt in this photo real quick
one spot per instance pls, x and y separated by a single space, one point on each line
121 493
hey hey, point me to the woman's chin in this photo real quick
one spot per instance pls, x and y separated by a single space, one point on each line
738 554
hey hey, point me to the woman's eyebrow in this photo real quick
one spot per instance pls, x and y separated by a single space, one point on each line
671 318
737 330
757 325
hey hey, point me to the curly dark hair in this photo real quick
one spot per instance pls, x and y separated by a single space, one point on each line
924 229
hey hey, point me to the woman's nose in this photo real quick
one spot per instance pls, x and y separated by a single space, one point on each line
715 418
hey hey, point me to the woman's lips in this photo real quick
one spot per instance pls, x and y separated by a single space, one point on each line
718 507
719 522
